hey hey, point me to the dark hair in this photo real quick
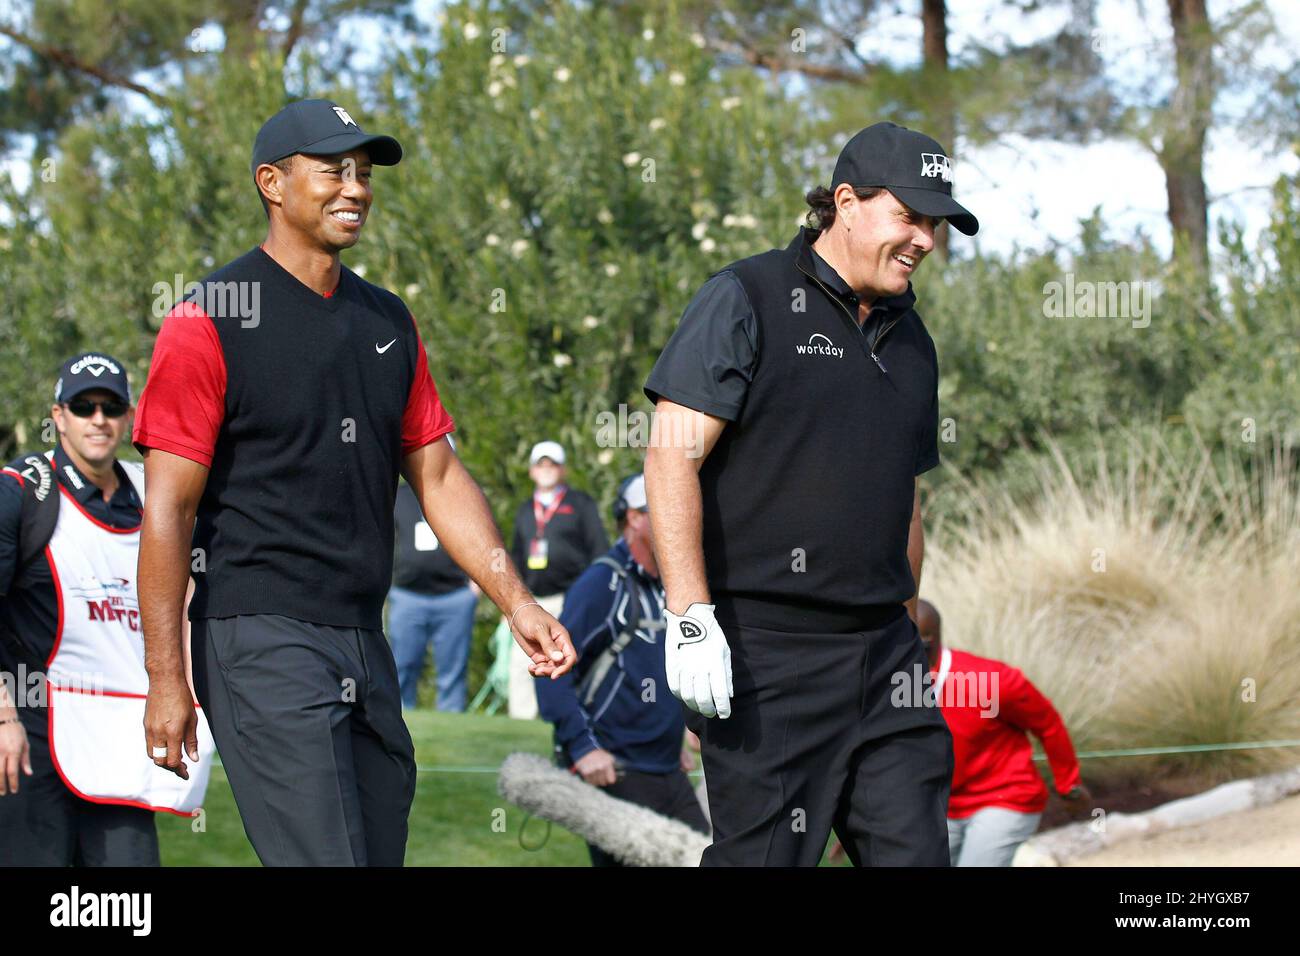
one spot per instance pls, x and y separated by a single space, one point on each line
821 202
284 165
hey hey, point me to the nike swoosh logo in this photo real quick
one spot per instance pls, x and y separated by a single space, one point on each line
384 349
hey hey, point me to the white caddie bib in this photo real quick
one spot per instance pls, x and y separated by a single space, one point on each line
96 677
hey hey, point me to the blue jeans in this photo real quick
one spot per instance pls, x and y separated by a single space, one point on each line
447 620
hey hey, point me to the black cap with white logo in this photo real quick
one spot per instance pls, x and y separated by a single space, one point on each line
319 128
90 370
911 165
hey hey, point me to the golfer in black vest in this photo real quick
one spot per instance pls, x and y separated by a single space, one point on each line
797 403
284 396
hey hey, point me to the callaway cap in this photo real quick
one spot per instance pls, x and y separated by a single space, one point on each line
90 370
319 128
910 165
546 449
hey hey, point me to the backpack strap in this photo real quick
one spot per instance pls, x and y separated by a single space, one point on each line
39 516
597 672
40 504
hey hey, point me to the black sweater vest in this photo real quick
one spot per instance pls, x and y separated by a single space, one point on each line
297 515
808 493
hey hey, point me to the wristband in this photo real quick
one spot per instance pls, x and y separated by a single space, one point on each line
520 608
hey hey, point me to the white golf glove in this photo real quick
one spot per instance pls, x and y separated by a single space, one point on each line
698 661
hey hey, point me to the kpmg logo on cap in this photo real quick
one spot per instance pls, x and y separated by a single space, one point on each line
96 365
936 164
343 115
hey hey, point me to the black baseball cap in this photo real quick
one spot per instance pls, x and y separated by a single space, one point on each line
89 370
911 165
319 128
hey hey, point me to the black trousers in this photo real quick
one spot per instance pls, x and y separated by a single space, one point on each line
46 824
670 794
308 721
821 738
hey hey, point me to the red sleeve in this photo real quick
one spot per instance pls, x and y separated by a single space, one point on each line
425 420
1023 705
184 398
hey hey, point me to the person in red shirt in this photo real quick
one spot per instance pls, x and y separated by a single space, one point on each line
997 795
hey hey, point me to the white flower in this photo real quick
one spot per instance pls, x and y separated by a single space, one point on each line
727 221
359 272
699 229
522 60
535 114
631 159
657 124
606 456
611 269
497 60
562 74
412 290
731 102
708 245
647 35
747 221
494 89
605 216
561 360
681 284
518 247
676 78
698 40
492 239
504 203
471 30
590 322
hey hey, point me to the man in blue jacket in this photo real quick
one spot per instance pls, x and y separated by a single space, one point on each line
616 724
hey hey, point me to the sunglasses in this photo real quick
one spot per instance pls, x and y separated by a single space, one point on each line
85 408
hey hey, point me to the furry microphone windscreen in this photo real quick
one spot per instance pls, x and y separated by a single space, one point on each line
633 835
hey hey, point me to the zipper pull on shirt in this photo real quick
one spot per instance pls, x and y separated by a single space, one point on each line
876 358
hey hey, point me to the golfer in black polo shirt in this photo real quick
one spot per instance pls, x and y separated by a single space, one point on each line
797 403
284 396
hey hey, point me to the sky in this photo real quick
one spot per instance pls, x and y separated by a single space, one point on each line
1028 194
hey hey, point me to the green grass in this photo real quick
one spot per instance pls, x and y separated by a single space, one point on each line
452 821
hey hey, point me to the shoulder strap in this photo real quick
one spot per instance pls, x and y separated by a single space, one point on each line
596 673
40 505
39 516
135 471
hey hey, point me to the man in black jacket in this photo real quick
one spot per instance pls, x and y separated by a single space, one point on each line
558 532
789 530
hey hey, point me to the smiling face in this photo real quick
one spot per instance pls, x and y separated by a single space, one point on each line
322 199
91 441
546 474
879 235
